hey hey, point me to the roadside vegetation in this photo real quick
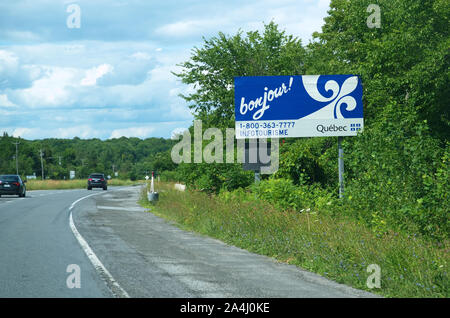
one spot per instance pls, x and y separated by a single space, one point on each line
395 210
320 240
397 170
73 184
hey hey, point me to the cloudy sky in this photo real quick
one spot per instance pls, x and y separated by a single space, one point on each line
111 77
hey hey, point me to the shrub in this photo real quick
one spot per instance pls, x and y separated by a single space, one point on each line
397 173
215 176
169 176
285 195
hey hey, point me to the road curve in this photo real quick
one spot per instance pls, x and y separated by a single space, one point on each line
146 255
37 246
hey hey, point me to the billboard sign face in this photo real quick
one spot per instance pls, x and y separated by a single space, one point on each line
298 106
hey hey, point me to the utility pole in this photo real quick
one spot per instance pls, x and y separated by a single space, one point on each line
17 156
59 159
41 154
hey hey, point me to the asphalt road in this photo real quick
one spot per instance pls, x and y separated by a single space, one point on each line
37 246
143 255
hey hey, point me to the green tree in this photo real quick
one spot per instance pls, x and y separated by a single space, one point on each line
212 68
404 66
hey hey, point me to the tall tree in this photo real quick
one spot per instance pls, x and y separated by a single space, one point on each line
212 68
404 61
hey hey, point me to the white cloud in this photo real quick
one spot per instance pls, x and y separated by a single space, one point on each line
22 132
187 27
93 74
116 79
15 75
141 56
50 90
298 17
5 102
8 61
141 132
83 131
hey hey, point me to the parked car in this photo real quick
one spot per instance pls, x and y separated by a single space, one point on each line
12 184
97 180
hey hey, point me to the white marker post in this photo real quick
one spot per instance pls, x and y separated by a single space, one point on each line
152 195
152 184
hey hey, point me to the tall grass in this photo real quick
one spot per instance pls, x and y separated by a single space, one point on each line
72 184
336 247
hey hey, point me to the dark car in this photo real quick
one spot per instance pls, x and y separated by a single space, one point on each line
12 184
97 180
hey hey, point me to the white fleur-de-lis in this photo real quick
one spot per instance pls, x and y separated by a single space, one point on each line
339 96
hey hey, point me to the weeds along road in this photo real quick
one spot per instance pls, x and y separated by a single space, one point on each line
124 251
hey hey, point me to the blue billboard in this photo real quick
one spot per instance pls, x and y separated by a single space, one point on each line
298 106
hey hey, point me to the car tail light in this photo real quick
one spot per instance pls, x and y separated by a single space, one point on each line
0 181
90 179
16 183
102 179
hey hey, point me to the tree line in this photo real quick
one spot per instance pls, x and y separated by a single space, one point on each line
130 158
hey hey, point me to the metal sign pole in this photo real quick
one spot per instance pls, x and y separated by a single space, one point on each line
257 177
341 167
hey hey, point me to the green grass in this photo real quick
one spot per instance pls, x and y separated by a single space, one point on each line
71 184
337 248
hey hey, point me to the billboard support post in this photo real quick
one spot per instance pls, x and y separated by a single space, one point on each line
257 177
341 167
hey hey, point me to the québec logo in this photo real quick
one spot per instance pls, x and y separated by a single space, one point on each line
355 127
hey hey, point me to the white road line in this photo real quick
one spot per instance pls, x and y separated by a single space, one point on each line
115 288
